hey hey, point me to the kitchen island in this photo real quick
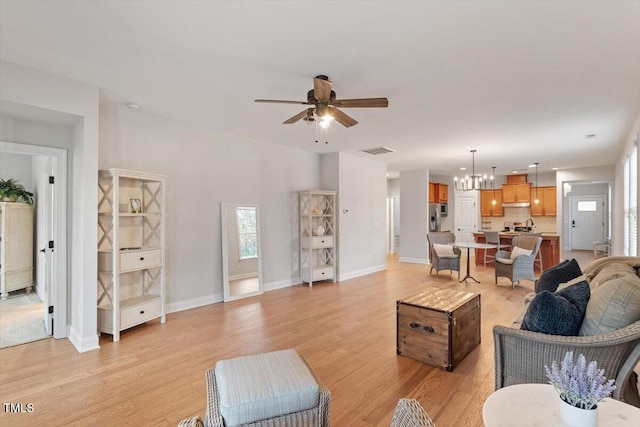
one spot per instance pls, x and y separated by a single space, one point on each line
550 247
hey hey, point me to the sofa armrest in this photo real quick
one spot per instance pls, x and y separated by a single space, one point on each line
520 356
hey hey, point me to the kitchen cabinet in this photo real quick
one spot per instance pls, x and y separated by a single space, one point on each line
131 239
443 193
546 205
487 207
516 193
438 193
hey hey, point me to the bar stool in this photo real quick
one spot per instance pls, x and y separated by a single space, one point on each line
492 237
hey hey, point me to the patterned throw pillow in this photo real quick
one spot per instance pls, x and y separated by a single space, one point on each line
560 273
559 313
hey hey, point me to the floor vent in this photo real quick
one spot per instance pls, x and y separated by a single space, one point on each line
378 150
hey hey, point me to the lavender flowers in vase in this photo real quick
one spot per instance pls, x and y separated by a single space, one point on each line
580 386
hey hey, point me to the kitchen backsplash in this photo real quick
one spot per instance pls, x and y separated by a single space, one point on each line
546 224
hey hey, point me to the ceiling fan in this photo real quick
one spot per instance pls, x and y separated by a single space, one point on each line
325 104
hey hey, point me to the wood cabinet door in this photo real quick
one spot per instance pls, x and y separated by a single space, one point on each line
432 192
546 205
549 201
523 192
509 193
443 193
485 203
497 209
487 207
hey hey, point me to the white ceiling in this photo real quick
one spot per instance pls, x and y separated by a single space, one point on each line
521 82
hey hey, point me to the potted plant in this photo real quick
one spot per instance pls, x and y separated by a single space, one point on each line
11 191
580 386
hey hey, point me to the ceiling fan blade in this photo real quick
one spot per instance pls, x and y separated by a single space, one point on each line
295 118
362 103
343 118
277 101
322 88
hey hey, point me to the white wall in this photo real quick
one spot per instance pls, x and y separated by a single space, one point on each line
18 167
414 216
393 187
205 168
33 88
362 190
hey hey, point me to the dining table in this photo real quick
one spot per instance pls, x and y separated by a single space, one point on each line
469 246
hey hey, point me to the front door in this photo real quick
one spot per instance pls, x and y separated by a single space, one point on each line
587 221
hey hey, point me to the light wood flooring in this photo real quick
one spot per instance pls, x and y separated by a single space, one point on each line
155 375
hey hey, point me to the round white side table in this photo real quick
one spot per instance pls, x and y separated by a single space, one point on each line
528 405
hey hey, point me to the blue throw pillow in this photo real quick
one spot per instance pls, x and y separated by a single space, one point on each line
561 273
560 313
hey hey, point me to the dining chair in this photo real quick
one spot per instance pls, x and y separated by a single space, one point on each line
493 237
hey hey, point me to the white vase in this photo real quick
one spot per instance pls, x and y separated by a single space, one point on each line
577 417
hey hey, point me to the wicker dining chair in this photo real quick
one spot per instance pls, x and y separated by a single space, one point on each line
441 263
409 413
522 266
493 237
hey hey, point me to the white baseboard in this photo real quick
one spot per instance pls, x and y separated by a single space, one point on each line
364 272
281 284
243 276
414 260
193 303
83 344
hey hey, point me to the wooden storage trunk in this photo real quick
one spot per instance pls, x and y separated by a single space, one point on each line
438 327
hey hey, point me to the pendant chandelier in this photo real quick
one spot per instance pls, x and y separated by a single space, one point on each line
536 200
471 182
493 186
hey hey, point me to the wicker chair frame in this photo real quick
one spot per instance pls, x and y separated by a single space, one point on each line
522 266
409 413
451 264
520 356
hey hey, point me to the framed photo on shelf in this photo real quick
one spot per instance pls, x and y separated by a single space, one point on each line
136 206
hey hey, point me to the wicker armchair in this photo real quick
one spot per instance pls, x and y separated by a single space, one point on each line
409 413
451 264
522 266
520 356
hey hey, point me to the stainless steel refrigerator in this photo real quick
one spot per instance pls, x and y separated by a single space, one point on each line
435 217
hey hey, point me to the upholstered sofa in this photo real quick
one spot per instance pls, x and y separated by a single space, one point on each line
520 355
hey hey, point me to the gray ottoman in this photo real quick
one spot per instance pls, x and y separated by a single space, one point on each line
279 387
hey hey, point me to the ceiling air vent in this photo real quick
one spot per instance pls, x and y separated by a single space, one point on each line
378 150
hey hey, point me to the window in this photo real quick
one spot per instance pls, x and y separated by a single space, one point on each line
247 233
631 204
587 206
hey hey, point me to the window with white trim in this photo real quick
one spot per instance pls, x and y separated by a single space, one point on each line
631 203
247 233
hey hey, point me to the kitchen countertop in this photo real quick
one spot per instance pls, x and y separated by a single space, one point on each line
518 233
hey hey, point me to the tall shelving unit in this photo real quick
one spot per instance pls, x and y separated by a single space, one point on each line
131 278
318 232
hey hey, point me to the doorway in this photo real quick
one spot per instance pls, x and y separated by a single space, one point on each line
393 224
586 221
466 216
49 184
